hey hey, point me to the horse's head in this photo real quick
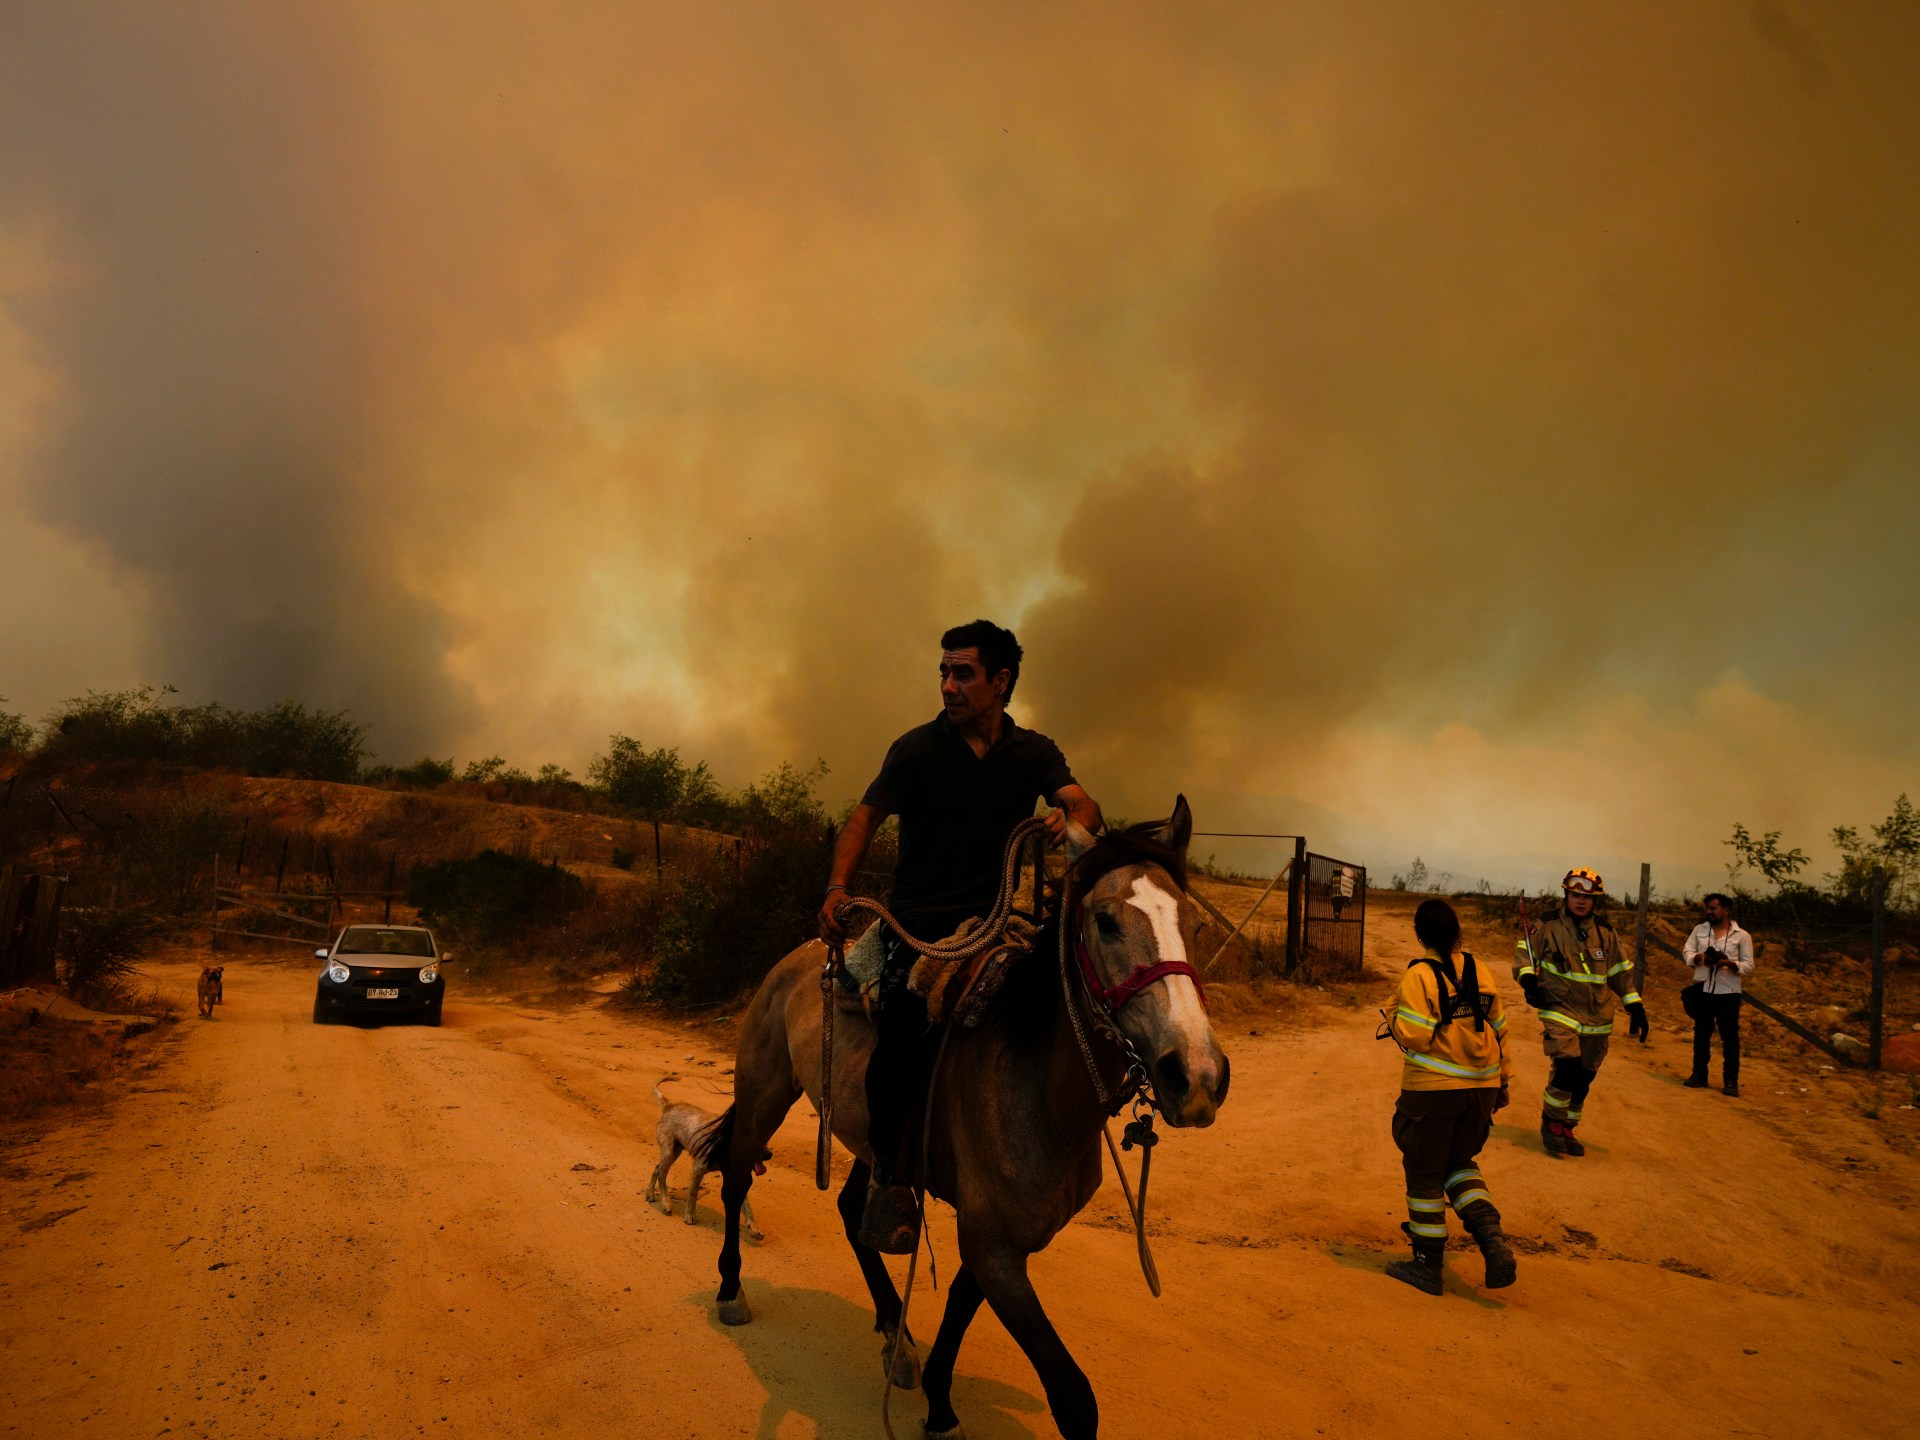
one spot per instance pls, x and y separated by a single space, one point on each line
1132 906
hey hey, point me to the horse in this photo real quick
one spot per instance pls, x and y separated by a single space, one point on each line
1016 1123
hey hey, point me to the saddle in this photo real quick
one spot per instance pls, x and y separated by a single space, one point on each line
962 990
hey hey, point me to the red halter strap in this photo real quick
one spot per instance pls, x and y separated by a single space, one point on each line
1116 996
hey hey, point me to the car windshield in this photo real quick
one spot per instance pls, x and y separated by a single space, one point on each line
372 940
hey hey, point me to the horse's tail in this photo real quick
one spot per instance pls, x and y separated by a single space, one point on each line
712 1143
660 1099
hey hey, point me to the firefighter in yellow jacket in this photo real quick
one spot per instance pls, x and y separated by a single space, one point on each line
1574 970
1451 1028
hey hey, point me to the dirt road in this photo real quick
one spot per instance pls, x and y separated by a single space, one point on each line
291 1230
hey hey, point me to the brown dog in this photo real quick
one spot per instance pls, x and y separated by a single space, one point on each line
678 1125
211 990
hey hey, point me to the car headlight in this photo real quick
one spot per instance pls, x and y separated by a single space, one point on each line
338 973
430 974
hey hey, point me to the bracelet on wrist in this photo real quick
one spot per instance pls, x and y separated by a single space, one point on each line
832 888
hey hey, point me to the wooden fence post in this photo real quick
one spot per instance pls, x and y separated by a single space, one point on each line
333 881
1876 1002
659 864
1296 903
386 915
1640 932
280 875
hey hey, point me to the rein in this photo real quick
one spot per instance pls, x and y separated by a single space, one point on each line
993 935
1111 999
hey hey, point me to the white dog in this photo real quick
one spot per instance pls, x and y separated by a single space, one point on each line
679 1124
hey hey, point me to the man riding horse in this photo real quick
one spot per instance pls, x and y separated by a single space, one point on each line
1104 1011
960 784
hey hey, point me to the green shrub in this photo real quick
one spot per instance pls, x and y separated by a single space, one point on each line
494 895
16 735
654 784
424 774
727 931
140 725
100 950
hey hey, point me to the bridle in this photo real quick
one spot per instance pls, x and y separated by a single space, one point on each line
1116 997
1105 1002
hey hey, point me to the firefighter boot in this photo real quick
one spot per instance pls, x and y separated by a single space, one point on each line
1553 1135
1571 1141
1423 1271
1485 1229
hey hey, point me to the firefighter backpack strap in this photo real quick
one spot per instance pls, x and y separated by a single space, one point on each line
1444 1006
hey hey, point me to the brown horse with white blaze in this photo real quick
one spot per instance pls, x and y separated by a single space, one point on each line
1015 1140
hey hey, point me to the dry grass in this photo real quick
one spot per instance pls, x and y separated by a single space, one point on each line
61 1066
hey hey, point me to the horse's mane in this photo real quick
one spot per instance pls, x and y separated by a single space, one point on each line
1027 1005
1135 845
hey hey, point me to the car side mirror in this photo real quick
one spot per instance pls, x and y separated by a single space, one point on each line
320 954
446 955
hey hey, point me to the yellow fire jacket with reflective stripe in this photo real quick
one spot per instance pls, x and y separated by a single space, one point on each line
1453 1056
1581 977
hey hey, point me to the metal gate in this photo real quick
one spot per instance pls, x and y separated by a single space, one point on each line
1333 921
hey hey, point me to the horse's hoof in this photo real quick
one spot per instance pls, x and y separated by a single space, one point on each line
906 1366
735 1311
956 1433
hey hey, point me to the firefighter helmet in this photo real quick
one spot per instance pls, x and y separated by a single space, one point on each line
1583 882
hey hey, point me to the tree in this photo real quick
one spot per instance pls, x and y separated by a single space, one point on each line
655 784
785 798
495 770
15 733
1895 848
1415 878
1779 868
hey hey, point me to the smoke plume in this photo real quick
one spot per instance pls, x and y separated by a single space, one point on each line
1485 431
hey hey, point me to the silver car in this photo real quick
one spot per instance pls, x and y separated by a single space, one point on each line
381 971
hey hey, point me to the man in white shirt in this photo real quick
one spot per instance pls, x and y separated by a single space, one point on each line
1721 954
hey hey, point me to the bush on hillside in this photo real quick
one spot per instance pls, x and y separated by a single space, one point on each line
494 895
653 784
16 735
164 857
426 773
729 923
728 930
141 726
100 950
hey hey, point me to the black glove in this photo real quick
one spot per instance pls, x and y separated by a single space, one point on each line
1530 987
1637 1021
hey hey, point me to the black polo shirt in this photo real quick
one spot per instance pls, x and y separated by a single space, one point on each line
956 810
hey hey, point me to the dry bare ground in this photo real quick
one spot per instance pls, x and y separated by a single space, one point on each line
289 1230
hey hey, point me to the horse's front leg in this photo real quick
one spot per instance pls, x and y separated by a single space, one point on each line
886 1299
936 1380
1002 1273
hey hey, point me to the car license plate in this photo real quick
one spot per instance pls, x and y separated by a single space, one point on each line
382 994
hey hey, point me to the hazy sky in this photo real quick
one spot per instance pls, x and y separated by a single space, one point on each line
1481 430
